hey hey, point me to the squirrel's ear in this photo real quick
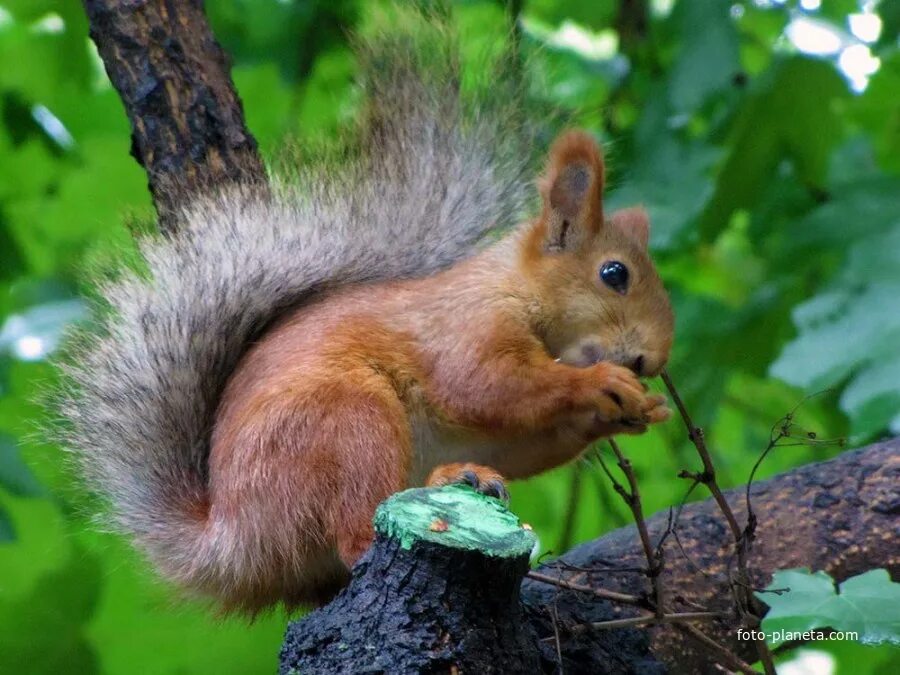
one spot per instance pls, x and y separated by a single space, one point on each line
572 188
634 222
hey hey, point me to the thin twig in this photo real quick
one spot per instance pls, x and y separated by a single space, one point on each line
678 542
555 620
609 569
612 479
604 593
744 599
784 428
647 620
632 497
729 659
616 517
708 477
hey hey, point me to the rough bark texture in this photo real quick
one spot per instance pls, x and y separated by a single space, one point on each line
841 516
433 609
420 610
438 590
187 122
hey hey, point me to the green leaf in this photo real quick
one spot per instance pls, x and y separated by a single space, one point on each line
889 10
11 262
855 210
759 28
708 58
875 600
792 115
851 330
873 259
293 33
867 605
596 14
670 175
15 476
46 628
872 399
36 332
266 99
840 330
850 658
7 531
877 110
85 208
329 95
837 10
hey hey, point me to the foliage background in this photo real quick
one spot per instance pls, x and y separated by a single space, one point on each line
764 137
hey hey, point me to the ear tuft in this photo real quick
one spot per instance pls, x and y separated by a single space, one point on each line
572 188
635 223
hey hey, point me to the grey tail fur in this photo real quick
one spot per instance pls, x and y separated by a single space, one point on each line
423 177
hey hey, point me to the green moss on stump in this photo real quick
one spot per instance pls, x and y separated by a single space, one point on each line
454 516
437 591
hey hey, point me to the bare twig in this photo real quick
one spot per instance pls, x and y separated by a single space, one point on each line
728 658
785 508
632 497
609 569
613 596
559 657
616 517
647 620
708 476
674 529
784 428
747 605
554 616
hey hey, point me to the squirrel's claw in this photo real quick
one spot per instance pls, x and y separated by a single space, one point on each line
483 479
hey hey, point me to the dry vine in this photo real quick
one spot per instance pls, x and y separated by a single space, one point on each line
746 604
652 606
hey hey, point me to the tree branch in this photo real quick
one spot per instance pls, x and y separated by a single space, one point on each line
839 516
187 122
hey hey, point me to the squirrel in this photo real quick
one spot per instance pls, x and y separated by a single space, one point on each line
285 362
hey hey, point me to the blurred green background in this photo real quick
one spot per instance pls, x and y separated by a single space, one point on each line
763 136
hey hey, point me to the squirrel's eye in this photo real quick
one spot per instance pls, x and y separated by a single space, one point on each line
615 275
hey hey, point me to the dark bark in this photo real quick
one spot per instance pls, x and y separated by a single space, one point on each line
417 605
425 609
187 121
433 609
841 516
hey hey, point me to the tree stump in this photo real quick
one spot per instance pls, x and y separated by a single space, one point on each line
438 591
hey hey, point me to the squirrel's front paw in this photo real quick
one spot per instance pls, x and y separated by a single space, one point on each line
623 401
484 479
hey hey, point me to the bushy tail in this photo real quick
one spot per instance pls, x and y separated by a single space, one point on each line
428 170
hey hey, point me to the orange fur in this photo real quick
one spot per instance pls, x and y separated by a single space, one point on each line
513 361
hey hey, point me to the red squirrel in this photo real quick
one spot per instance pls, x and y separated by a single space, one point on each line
246 454
463 375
